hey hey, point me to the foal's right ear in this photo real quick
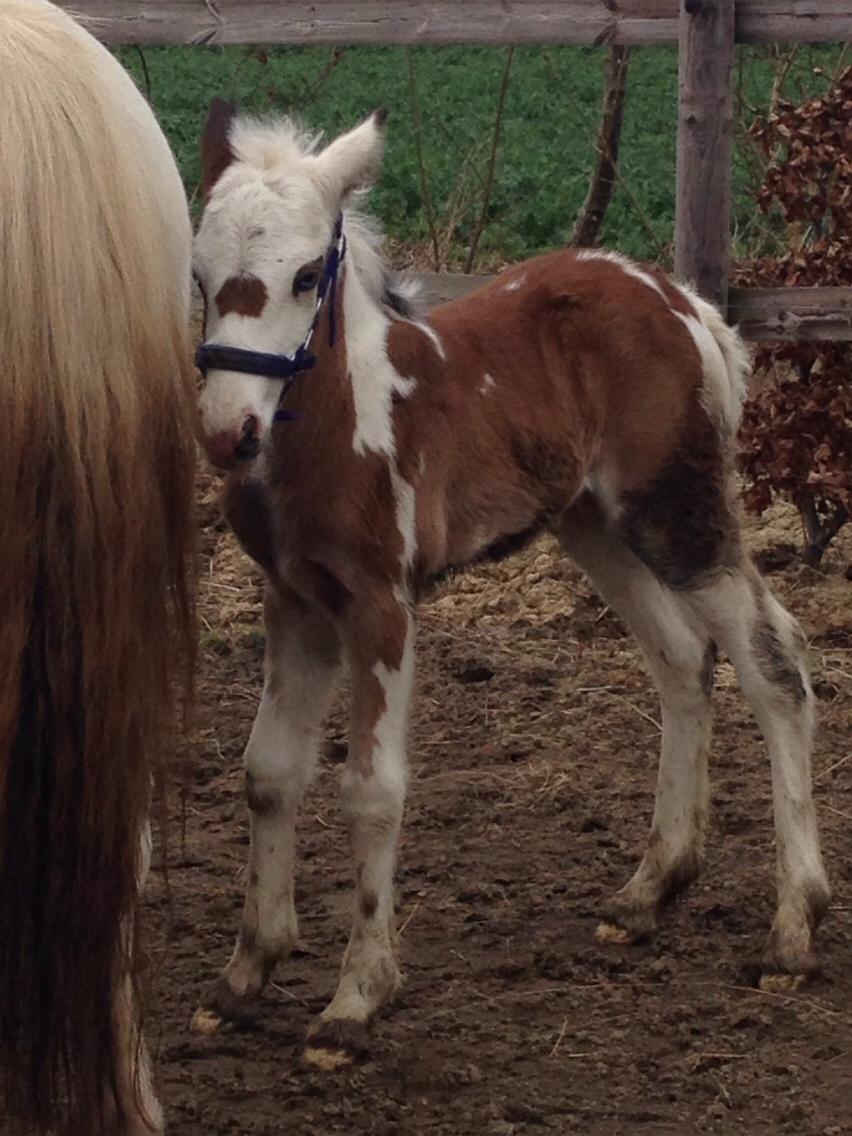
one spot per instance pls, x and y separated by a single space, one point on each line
216 152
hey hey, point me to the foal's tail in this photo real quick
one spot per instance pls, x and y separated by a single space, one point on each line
96 533
727 366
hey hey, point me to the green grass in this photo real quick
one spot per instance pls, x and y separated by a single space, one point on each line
547 141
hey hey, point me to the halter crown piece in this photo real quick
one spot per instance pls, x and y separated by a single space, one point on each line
220 357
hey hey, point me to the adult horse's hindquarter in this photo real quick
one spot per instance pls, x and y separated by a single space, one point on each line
96 535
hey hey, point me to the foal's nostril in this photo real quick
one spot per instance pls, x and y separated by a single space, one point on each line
248 446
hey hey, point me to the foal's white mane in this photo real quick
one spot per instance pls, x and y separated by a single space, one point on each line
282 145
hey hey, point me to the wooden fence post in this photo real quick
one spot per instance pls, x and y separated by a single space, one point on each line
705 123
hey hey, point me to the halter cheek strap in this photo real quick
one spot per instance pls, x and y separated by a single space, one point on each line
221 357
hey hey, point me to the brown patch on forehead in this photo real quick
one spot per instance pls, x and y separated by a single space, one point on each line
242 295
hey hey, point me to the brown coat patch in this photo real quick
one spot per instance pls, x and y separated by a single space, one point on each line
242 295
682 524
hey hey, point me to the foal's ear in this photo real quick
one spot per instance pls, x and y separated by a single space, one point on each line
216 152
354 160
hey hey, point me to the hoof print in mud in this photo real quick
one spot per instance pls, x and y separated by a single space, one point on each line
336 1045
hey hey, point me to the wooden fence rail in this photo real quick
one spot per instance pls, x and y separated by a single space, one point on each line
449 21
763 314
706 31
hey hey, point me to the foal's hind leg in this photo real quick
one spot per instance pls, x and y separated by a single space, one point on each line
768 650
680 659
302 661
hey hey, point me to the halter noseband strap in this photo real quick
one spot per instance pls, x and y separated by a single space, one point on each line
221 357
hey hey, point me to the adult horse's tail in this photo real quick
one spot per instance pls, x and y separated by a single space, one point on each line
96 609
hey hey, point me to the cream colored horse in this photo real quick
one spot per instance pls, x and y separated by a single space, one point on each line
96 537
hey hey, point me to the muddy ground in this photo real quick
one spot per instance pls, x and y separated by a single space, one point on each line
533 758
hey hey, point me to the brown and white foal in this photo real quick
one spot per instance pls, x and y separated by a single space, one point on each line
577 394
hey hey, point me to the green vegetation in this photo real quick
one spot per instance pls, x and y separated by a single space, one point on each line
547 136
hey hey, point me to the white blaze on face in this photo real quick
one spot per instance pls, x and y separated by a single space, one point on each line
251 232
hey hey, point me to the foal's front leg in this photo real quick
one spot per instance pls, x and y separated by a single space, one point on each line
379 640
302 661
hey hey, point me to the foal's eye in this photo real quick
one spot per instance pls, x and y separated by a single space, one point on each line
306 279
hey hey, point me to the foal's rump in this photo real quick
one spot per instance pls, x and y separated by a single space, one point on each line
96 527
673 376
591 375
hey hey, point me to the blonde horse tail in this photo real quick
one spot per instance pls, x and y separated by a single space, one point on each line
97 434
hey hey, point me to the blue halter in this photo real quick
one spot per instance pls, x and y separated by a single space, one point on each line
221 357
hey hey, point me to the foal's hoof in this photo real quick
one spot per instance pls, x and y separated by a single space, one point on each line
612 933
777 983
626 923
336 1044
205 1021
778 973
784 975
221 1004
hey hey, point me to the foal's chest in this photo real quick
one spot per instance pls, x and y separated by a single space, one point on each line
247 505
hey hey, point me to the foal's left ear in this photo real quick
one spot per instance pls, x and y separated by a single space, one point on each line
216 152
354 160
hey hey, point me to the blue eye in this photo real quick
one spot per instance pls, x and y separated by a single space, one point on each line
305 280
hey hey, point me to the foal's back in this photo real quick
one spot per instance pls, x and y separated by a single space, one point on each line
571 375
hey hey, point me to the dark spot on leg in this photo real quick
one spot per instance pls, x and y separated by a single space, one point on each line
262 802
369 904
708 668
775 663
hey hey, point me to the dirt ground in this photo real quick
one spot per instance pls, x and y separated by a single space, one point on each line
533 755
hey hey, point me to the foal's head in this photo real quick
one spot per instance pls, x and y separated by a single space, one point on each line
273 196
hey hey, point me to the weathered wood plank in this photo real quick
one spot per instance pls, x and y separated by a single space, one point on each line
374 21
793 21
762 314
446 21
704 135
768 314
